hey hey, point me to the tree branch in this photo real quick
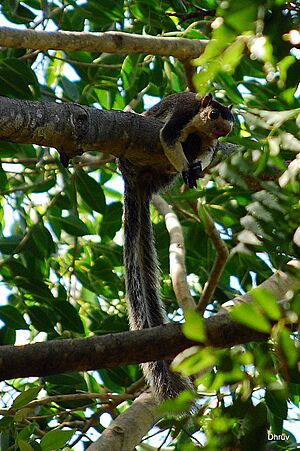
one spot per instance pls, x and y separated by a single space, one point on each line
128 429
158 343
222 254
120 434
73 129
278 284
176 255
107 351
109 42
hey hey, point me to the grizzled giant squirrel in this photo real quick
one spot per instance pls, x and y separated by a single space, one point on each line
191 127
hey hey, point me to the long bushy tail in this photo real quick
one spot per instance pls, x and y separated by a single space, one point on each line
142 274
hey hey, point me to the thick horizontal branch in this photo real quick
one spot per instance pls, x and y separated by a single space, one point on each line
73 129
82 354
109 42
157 343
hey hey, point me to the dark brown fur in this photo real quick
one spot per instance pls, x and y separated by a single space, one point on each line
142 276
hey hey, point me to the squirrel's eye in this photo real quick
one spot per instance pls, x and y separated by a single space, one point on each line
214 114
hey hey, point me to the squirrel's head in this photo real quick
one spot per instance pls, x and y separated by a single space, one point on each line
217 119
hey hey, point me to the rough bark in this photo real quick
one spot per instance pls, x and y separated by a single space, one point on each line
73 129
81 354
158 343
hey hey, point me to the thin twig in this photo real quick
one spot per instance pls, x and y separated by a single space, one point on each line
190 72
200 13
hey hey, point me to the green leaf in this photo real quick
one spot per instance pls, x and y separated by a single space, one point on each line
24 446
17 13
27 431
55 440
12 317
6 422
40 242
3 178
116 378
42 318
69 316
35 287
191 362
240 16
101 13
267 302
134 76
194 326
7 336
276 424
90 191
65 383
17 79
232 91
112 220
232 55
21 414
71 224
42 184
70 89
276 400
252 317
25 397
9 244
102 270
288 346
182 403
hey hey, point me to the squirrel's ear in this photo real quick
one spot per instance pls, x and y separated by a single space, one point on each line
230 107
206 100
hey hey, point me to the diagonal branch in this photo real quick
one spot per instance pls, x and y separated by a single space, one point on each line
176 255
219 263
279 284
128 429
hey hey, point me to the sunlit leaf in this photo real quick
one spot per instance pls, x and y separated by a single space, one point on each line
55 439
251 316
25 397
194 361
194 326
267 302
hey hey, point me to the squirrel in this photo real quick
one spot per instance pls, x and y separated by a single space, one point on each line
191 127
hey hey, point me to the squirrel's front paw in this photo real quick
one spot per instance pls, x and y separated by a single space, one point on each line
191 174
